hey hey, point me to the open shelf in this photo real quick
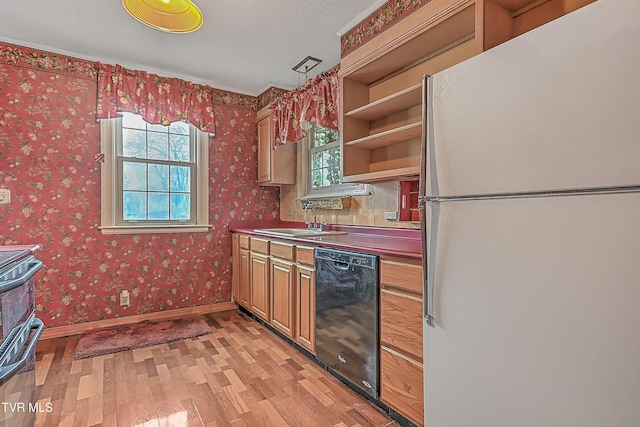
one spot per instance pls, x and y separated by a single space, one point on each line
393 136
383 175
389 105
381 94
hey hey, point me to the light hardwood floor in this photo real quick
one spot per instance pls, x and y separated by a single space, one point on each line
240 375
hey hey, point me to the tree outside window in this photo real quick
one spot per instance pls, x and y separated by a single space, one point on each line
324 151
156 167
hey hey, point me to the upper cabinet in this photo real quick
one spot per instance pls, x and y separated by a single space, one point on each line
381 82
276 166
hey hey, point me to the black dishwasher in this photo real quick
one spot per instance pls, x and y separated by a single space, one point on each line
347 316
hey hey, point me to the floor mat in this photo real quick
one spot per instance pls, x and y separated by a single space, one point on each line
137 335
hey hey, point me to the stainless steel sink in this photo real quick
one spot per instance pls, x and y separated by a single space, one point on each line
297 232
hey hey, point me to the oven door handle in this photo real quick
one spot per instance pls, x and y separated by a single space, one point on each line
7 372
14 283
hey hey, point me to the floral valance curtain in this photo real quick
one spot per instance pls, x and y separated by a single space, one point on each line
316 103
160 100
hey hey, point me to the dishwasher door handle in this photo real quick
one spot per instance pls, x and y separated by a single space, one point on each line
341 265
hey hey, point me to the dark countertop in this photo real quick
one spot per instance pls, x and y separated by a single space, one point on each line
378 240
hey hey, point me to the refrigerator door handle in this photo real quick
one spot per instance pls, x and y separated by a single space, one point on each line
431 253
428 189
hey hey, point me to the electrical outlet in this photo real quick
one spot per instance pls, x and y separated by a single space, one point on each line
124 298
5 196
391 215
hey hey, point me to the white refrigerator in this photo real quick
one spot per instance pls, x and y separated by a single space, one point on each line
531 227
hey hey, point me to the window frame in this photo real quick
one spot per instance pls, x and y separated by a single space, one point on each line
319 149
306 190
111 189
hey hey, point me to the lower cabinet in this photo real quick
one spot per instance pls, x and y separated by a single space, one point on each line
276 280
401 384
306 298
241 270
401 369
260 285
282 296
306 307
245 279
235 267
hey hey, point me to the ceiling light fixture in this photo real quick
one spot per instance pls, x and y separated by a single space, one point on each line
173 16
306 64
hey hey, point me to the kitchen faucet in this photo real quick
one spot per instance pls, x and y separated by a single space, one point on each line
313 226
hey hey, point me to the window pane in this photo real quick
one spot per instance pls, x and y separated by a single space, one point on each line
337 156
180 204
134 176
332 135
134 206
319 137
135 121
333 176
180 179
179 148
134 143
316 161
179 127
159 179
327 158
316 178
158 206
158 146
158 128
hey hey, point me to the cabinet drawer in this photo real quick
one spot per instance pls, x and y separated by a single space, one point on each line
401 385
304 255
260 245
401 322
282 250
401 273
244 241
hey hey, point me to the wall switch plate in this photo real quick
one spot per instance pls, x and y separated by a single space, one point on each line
391 215
5 196
124 298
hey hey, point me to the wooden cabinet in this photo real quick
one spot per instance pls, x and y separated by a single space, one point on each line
241 264
235 267
381 90
381 98
276 165
401 369
401 385
306 299
245 279
282 296
401 326
260 285
276 280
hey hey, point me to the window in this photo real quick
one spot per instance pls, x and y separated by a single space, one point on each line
320 174
324 149
154 178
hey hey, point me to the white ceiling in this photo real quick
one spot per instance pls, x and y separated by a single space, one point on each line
244 46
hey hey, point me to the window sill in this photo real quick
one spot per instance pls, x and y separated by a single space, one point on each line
138 229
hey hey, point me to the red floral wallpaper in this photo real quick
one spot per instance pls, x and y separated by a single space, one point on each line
48 140
377 22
